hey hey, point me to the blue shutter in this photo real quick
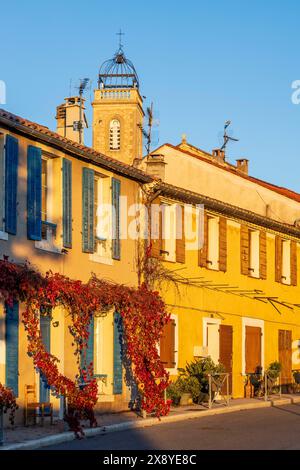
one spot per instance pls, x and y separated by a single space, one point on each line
12 347
45 326
88 210
11 183
67 203
87 356
117 365
34 193
116 244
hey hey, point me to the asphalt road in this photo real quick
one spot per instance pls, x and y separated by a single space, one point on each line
268 428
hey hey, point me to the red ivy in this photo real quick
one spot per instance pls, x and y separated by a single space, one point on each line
8 402
144 316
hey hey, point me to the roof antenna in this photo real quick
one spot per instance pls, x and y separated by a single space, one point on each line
83 82
227 137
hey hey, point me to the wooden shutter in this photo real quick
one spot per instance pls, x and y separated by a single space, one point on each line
167 344
34 193
12 347
245 250
88 210
116 242
67 202
285 355
87 355
293 263
45 327
202 254
278 259
11 183
222 244
180 235
156 229
263 255
225 344
253 348
117 360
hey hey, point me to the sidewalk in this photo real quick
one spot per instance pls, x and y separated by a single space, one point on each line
37 436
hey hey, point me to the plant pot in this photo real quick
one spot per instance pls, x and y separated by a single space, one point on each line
186 399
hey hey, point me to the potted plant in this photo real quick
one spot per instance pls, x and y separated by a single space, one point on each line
273 373
174 393
198 370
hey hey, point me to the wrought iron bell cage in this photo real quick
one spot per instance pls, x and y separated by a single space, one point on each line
118 72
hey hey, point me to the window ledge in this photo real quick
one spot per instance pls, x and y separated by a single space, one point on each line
46 246
3 235
100 259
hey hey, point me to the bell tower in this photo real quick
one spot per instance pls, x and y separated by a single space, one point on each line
118 110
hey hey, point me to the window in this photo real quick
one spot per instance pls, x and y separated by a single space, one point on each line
47 241
2 182
169 344
114 135
44 188
286 262
213 243
169 231
102 216
254 253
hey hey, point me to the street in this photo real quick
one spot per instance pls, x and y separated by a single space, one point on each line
268 428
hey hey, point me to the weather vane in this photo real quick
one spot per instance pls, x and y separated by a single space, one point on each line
120 34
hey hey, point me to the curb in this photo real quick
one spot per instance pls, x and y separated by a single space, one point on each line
69 436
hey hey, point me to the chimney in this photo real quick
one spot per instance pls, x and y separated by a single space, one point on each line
219 155
71 119
242 165
155 166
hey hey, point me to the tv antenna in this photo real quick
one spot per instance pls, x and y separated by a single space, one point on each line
226 136
78 125
149 133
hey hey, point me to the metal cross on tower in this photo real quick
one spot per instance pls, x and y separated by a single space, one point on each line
120 34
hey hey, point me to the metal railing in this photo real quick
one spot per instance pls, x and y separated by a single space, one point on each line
216 385
271 383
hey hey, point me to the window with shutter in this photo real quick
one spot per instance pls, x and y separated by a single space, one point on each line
87 355
202 253
45 326
222 244
167 345
278 259
156 229
12 347
11 184
117 356
67 202
168 243
34 193
263 255
254 252
88 210
116 240
286 262
213 243
244 249
180 234
293 263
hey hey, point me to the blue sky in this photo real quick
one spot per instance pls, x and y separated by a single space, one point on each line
201 62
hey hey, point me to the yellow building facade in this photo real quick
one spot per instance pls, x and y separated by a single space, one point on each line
231 251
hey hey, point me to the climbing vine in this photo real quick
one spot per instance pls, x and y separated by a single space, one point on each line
8 402
143 314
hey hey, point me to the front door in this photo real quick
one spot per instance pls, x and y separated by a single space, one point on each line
252 349
225 340
285 355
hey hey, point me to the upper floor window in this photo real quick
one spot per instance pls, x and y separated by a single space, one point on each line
213 243
286 262
102 216
254 253
45 178
2 182
114 135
